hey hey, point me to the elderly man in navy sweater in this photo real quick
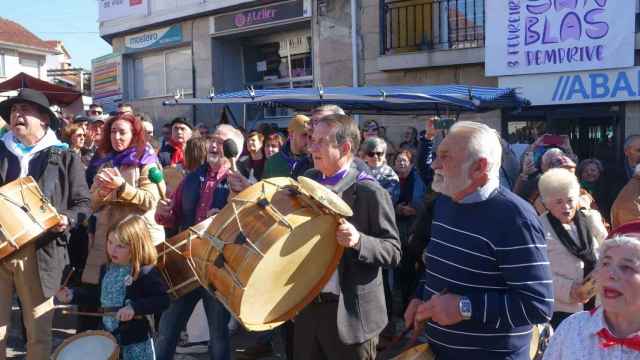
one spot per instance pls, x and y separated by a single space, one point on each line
487 277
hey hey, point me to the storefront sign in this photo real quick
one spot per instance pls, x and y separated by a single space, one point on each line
154 39
577 87
114 9
544 36
250 18
106 80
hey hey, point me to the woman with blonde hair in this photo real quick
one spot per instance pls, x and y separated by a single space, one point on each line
573 234
129 282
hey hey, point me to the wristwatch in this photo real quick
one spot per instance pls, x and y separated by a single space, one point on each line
464 306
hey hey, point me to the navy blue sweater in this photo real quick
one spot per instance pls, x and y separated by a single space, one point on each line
493 252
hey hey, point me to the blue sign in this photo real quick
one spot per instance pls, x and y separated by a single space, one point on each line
154 39
577 87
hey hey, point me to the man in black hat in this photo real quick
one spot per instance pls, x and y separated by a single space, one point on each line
31 148
172 152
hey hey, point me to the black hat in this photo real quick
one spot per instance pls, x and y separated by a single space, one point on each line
33 97
79 119
181 120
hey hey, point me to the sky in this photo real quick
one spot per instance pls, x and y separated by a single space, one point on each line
72 21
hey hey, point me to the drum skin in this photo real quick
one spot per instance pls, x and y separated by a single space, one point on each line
293 256
176 268
94 345
25 214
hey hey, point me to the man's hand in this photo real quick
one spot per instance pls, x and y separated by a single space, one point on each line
62 226
410 312
212 212
441 309
347 235
430 128
237 182
164 208
125 314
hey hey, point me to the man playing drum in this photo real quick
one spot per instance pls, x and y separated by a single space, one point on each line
344 321
201 194
487 277
31 148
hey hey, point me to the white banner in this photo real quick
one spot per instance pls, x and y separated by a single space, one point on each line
114 9
544 36
577 87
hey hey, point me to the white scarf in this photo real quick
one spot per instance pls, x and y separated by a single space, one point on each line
25 153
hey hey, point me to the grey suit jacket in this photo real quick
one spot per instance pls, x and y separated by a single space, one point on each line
362 311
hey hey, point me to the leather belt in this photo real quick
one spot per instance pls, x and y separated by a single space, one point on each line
324 298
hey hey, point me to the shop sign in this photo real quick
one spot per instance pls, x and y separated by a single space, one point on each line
114 9
154 39
262 15
577 87
545 36
106 80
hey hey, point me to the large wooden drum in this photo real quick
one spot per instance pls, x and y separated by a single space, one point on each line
94 345
25 214
270 251
175 264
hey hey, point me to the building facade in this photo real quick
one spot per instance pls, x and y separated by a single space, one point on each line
232 45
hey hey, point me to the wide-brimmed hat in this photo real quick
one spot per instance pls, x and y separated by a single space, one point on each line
33 97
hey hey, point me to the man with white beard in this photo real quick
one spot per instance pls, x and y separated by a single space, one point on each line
487 276
201 194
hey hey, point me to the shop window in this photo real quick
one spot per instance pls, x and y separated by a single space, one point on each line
415 25
279 64
163 73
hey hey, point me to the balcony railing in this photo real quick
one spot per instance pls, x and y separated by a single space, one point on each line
419 25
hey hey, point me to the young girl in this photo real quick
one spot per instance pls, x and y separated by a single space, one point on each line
130 283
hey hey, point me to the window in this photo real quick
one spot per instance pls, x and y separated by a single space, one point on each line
2 69
161 74
413 25
30 65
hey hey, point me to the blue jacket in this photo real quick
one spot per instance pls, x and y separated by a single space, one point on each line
191 192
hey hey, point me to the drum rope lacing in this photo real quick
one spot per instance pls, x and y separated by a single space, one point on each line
25 208
189 260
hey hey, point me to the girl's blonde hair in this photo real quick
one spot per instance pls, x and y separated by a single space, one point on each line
133 232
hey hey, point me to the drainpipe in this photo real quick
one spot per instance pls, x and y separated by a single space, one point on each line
354 48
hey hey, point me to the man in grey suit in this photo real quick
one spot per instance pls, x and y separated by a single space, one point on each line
344 321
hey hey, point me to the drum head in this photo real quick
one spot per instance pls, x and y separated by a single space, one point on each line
291 273
325 196
419 352
94 345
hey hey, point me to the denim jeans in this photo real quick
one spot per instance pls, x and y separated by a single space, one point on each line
175 318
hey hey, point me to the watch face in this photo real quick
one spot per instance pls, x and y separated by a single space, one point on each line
465 308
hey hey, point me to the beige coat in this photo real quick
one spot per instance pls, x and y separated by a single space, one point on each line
565 267
627 205
138 196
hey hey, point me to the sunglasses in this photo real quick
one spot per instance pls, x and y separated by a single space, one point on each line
95 112
373 153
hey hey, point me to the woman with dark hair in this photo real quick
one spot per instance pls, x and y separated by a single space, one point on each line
272 144
122 186
408 198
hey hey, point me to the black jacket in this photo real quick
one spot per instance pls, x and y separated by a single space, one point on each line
165 153
362 310
60 175
148 295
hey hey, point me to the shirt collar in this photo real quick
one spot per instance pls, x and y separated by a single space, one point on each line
222 171
597 322
335 178
482 193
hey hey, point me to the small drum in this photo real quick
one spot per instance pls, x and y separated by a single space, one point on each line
94 345
177 269
25 214
418 352
270 251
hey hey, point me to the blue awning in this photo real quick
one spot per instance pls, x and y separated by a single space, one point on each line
374 99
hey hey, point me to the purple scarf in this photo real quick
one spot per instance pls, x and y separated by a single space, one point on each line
128 157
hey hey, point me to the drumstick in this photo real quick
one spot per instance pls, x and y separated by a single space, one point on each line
156 177
94 314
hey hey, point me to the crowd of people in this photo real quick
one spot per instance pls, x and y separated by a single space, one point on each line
469 244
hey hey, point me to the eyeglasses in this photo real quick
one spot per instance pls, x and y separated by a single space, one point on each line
373 153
